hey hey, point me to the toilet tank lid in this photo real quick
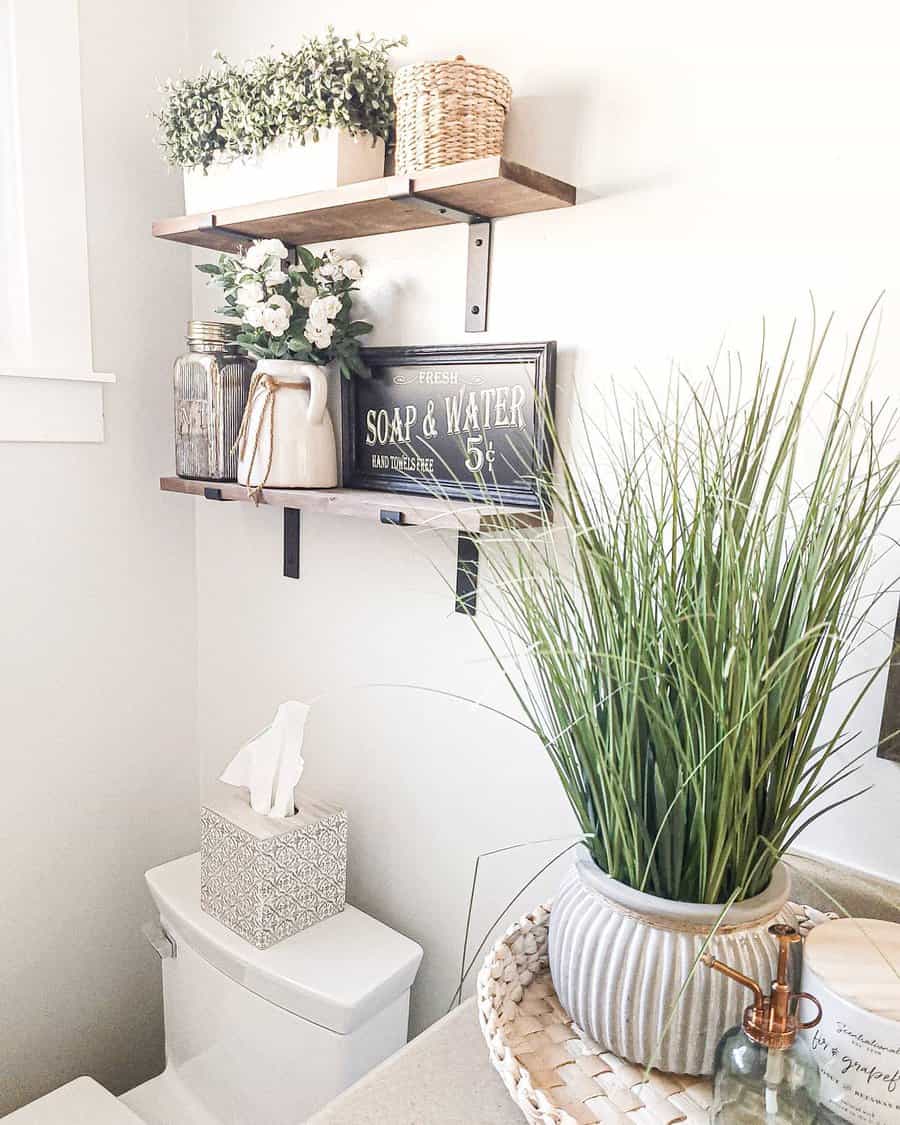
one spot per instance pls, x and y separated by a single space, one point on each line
338 973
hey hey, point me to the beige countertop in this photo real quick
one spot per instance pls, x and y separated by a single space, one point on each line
443 1077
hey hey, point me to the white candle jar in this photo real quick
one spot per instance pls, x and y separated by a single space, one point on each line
852 966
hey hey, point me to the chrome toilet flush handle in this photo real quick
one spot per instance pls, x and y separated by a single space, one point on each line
163 944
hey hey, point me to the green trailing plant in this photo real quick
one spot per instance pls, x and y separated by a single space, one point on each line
676 637
233 111
190 125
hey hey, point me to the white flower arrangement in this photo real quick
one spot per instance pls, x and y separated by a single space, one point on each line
300 311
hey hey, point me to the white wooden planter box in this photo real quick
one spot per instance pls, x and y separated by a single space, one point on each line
285 168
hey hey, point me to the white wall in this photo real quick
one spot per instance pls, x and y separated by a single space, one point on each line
729 160
98 638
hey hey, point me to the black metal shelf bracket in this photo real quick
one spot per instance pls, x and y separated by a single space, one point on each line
240 241
478 275
292 524
466 573
466 563
478 267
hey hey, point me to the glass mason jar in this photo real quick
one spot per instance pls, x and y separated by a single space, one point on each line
756 1085
212 381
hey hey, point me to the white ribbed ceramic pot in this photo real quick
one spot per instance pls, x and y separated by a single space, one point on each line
618 958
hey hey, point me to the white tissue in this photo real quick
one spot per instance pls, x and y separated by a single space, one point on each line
270 764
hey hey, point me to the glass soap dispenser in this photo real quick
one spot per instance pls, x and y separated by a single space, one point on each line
765 1074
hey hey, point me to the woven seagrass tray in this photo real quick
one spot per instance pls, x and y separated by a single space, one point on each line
555 1073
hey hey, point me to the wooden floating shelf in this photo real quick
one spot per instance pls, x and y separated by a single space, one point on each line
474 193
490 188
385 507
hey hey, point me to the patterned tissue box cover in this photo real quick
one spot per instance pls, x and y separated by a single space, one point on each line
267 878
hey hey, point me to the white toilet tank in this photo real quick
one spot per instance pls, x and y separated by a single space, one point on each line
266 1037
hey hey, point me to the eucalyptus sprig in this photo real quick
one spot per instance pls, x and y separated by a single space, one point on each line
676 638
234 111
301 311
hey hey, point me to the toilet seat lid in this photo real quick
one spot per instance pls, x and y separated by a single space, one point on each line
338 973
82 1102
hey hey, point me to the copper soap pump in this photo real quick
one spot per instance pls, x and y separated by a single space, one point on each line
763 1071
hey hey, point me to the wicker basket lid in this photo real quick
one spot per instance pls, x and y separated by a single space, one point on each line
453 76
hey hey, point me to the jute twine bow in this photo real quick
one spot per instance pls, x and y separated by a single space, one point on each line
269 387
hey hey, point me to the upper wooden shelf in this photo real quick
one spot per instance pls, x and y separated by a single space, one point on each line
491 188
426 511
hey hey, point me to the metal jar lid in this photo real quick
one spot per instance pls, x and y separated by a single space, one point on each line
211 332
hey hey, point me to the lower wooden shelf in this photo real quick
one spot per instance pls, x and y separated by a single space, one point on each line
463 517
385 507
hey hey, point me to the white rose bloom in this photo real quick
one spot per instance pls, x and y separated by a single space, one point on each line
260 252
250 294
275 321
325 272
335 264
306 294
324 308
276 301
319 334
254 316
275 248
276 277
351 269
256 256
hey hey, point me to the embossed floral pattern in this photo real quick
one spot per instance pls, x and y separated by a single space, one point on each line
268 890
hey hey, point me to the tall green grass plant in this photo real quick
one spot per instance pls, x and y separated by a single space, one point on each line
677 636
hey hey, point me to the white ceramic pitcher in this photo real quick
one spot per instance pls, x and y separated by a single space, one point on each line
287 439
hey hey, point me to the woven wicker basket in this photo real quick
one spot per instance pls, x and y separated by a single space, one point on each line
448 112
553 1071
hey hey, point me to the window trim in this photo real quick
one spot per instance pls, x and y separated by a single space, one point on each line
51 220
70 374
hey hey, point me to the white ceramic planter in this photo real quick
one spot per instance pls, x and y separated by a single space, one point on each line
285 168
288 439
618 959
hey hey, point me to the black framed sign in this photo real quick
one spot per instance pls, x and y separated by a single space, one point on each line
464 421
889 735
